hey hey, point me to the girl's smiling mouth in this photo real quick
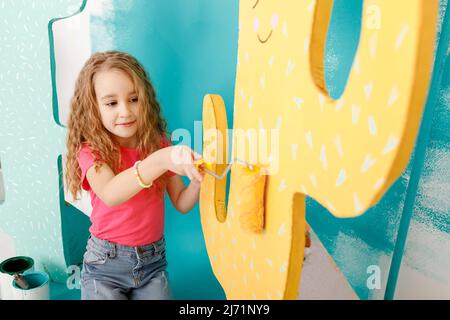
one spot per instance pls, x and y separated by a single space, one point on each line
126 124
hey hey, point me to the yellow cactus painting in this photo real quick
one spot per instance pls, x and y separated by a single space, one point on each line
344 153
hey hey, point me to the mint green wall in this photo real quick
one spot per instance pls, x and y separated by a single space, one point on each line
30 140
189 49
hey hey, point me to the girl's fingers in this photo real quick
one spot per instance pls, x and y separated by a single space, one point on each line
196 155
196 174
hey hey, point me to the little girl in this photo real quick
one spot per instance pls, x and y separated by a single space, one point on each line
119 152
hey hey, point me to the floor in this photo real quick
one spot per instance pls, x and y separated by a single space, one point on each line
321 279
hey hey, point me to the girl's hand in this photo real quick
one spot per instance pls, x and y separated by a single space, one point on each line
197 183
181 161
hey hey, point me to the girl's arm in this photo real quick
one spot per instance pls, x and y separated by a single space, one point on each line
114 190
183 199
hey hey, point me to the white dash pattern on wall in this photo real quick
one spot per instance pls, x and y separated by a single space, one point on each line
340 104
271 61
290 67
282 229
356 110
284 29
306 45
309 139
313 179
390 145
372 126
378 184
279 122
311 6
294 148
341 178
338 144
329 205
357 203
298 102
368 88
250 103
393 97
369 161
242 93
323 157
401 36
321 102
282 186
262 81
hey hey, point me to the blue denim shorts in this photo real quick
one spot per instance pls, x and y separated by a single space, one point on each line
117 272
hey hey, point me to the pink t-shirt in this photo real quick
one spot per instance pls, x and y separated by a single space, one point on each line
136 222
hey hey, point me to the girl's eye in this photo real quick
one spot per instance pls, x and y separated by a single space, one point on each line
110 104
134 99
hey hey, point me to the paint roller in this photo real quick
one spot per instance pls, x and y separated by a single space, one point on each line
250 187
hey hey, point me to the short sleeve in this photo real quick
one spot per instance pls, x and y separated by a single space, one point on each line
85 161
166 143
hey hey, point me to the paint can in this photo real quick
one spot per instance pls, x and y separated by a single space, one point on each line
8 269
38 287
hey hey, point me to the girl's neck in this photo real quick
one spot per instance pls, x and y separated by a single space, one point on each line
130 144
127 147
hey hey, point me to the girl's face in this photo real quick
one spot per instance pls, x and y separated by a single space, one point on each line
118 105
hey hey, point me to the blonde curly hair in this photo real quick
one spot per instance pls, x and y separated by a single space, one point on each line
85 126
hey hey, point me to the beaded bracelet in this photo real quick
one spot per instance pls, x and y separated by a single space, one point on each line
136 173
